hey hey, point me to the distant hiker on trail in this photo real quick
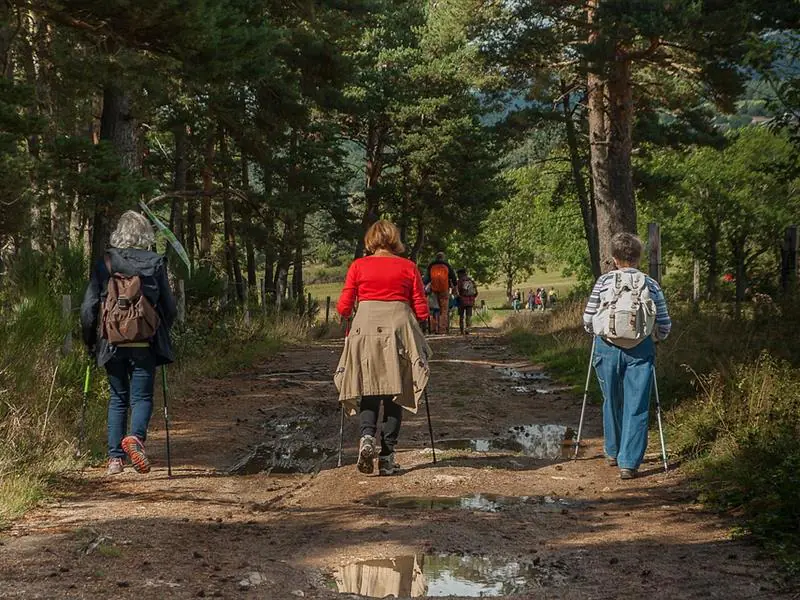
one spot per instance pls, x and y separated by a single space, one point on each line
516 301
531 300
443 279
385 357
626 310
552 297
126 315
432 324
542 299
467 292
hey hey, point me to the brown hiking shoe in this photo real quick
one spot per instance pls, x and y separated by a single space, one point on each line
366 455
627 473
115 466
134 448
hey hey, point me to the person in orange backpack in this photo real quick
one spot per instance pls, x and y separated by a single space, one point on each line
442 279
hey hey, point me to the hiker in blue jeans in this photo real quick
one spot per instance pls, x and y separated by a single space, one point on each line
130 365
625 374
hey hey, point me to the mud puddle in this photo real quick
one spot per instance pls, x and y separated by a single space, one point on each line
445 575
517 374
491 503
292 444
544 442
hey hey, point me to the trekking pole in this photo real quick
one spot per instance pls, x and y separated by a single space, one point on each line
660 427
585 398
166 417
341 417
82 426
430 426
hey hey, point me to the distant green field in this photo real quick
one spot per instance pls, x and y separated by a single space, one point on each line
494 295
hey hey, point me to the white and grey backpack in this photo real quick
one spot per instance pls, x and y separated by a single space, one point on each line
627 313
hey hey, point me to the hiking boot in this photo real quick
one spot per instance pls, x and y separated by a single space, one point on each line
115 466
366 455
611 462
387 466
134 448
627 473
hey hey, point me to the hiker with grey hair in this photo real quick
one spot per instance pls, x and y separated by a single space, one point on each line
626 313
126 315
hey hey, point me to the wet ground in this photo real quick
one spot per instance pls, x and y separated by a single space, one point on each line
257 507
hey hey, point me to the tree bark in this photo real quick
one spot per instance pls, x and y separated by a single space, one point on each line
372 172
231 253
179 182
587 206
205 202
420 241
297 272
119 128
610 99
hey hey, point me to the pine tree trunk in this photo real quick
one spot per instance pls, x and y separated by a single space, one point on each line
420 241
610 99
179 182
205 203
191 229
587 206
374 168
297 274
117 126
231 253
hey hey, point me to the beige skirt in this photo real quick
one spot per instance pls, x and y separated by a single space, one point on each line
386 354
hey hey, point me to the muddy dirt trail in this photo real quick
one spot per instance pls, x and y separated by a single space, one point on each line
502 513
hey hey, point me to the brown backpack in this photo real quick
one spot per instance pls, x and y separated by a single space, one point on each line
128 316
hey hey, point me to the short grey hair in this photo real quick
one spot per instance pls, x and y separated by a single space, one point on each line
440 256
133 231
626 248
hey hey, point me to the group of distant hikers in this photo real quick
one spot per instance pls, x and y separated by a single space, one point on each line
128 310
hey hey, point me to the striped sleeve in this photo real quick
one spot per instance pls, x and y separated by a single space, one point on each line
663 321
594 302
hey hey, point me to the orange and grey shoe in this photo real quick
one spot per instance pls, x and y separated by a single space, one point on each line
366 455
115 466
134 448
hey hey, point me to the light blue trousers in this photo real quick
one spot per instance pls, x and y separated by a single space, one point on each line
626 378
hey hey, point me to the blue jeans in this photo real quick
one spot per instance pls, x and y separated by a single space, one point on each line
626 378
131 374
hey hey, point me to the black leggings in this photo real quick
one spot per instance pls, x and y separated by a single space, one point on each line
392 417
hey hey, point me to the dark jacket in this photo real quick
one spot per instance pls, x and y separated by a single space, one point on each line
451 273
152 269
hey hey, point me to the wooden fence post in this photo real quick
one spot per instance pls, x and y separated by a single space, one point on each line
66 313
654 250
327 309
789 259
308 306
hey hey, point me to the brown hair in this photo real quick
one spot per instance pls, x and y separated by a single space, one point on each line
384 235
627 249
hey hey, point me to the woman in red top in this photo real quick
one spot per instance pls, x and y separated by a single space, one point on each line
385 357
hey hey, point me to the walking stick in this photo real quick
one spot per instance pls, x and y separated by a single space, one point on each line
585 398
82 426
341 417
166 418
430 426
660 427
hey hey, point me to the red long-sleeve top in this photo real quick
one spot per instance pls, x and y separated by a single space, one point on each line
384 278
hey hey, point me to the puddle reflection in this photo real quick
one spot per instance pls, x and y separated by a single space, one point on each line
435 576
478 502
544 442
